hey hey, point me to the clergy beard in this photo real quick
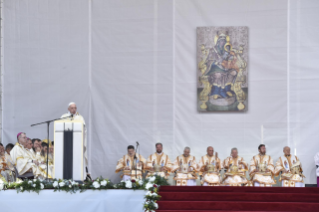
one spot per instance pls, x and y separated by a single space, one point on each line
158 152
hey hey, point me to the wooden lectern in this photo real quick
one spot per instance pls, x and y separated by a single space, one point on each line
68 150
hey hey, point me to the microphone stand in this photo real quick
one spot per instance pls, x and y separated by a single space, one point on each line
48 125
135 158
135 166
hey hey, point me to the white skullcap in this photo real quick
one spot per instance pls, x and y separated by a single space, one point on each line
71 103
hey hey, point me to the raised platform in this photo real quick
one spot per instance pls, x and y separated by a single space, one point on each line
204 199
88 201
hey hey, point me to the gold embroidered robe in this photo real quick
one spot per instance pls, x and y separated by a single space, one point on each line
232 177
156 161
32 152
9 161
6 168
285 163
22 160
128 161
43 163
181 165
265 178
211 178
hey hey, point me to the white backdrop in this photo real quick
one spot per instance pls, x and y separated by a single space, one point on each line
131 68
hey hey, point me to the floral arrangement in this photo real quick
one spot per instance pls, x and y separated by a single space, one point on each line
151 185
3 183
97 184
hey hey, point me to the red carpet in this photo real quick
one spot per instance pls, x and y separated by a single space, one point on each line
204 199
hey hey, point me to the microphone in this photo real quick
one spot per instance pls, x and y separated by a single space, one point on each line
137 143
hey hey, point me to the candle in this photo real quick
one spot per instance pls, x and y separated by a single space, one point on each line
262 134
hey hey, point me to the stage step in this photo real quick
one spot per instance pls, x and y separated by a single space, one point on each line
209 211
259 199
237 206
239 196
238 189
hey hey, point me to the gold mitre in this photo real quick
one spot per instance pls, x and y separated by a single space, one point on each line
211 168
262 167
234 169
157 168
296 164
46 141
295 168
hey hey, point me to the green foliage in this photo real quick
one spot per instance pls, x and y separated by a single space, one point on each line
151 185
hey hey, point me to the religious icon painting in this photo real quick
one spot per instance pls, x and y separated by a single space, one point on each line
222 74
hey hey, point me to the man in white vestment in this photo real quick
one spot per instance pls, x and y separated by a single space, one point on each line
132 164
185 167
262 169
9 147
23 159
29 147
41 157
77 117
158 163
36 142
236 168
210 167
290 168
6 167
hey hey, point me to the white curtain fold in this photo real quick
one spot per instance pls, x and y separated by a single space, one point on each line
131 68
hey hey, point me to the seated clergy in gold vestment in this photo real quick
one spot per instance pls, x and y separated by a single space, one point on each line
132 164
236 168
23 159
210 166
41 157
185 168
290 168
6 167
262 169
158 163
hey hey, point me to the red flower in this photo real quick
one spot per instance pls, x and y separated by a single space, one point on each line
133 181
155 185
